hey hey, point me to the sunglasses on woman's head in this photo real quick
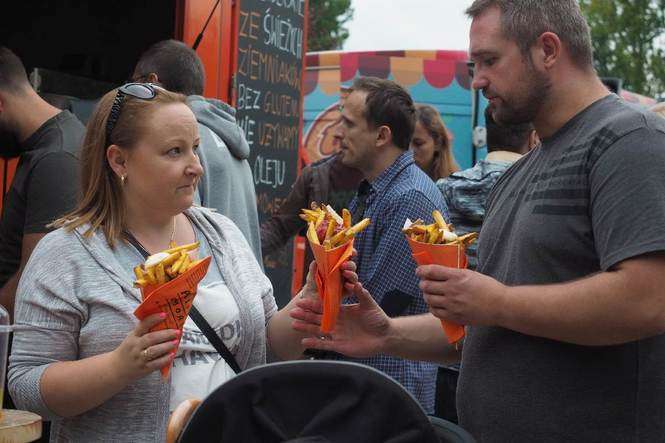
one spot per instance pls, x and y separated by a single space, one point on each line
143 91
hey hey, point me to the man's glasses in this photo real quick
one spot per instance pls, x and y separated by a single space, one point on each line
144 91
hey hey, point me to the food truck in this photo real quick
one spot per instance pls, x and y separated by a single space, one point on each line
253 52
438 77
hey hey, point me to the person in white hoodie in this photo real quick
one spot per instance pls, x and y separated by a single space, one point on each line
227 183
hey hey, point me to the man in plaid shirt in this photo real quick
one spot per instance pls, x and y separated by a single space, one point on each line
376 127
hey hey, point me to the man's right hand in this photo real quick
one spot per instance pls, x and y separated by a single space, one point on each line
361 330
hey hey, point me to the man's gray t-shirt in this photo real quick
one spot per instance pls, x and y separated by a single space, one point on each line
44 187
590 197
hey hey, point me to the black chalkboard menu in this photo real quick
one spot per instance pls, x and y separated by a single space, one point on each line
268 90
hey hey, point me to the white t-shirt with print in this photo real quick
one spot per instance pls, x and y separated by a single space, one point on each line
198 368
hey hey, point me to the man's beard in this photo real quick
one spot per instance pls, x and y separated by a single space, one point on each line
532 93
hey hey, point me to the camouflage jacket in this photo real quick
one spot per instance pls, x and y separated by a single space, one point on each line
465 193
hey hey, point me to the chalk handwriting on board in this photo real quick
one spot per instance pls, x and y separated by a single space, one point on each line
269 171
248 98
256 65
297 6
247 125
250 23
268 93
282 34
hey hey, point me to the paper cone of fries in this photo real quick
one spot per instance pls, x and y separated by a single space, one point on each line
452 256
329 280
174 298
331 238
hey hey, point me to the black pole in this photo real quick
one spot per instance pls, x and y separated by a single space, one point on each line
200 36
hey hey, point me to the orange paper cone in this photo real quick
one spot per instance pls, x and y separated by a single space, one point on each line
452 256
174 298
329 280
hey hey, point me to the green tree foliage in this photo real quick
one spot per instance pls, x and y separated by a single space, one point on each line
326 24
629 42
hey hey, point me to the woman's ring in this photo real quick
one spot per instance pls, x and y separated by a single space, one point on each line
146 354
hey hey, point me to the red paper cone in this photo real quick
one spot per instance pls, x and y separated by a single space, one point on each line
174 298
329 280
452 256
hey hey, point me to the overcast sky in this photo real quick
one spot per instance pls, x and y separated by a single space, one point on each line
408 24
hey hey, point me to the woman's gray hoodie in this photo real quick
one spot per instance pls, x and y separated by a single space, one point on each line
227 184
81 301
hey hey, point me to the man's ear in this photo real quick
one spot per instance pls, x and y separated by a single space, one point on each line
117 158
548 49
534 140
147 78
384 136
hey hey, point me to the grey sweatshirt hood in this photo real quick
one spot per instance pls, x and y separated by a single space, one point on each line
228 182
220 118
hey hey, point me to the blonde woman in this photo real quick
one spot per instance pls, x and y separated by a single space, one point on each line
431 144
88 364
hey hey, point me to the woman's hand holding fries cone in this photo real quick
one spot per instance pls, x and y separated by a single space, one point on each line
168 282
143 352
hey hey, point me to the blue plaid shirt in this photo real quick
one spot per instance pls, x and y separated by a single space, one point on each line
385 265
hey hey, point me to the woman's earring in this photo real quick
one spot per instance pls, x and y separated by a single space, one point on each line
122 179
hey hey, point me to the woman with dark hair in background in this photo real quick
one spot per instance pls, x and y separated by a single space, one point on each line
431 144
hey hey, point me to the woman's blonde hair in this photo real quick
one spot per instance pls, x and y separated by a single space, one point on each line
443 164
101 203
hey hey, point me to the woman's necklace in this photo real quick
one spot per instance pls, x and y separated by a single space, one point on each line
142 249
172 242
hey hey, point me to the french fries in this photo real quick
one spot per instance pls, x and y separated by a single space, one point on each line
438 232
327 228
164 266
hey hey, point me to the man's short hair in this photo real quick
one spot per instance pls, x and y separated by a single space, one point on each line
523 21
13 78
388 104
514 138
177 66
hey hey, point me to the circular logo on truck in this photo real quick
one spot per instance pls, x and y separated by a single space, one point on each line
319 140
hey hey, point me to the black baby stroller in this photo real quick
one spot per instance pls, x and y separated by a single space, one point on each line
315 401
